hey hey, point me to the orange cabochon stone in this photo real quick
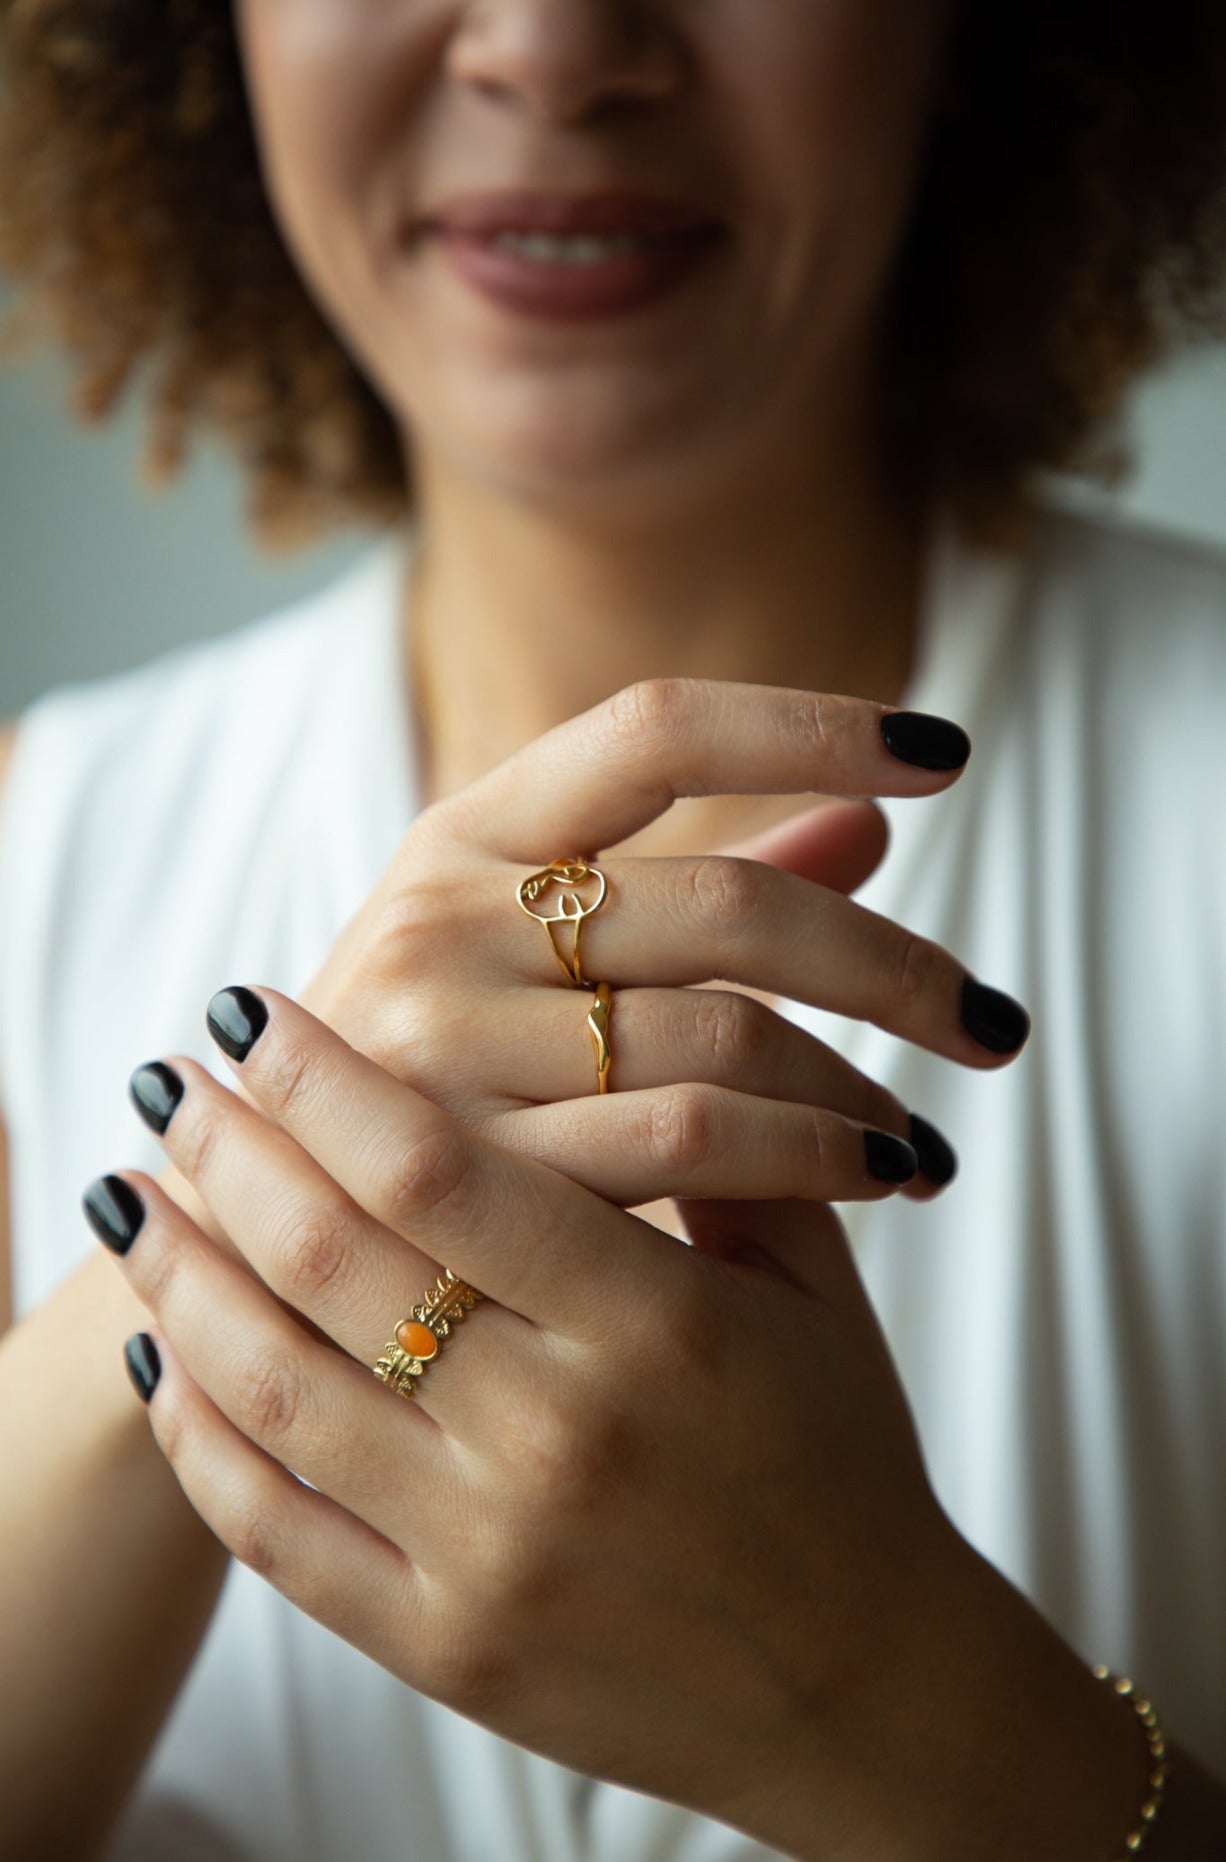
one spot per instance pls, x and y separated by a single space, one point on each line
417 1339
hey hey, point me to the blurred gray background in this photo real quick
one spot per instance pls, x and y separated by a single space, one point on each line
98 573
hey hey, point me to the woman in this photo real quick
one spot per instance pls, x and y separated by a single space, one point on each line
711 352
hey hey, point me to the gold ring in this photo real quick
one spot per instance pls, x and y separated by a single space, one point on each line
598 1025
581 889
419 1339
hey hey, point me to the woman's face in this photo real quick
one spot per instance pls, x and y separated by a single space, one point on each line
798 125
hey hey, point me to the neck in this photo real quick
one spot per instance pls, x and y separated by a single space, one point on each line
518 618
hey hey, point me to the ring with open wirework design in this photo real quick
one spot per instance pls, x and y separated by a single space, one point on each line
564 893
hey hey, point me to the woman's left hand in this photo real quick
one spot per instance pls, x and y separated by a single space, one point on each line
658 1513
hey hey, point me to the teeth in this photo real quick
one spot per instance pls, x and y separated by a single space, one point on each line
572 249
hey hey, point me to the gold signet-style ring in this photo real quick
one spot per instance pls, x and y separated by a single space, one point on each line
598 1026
566 892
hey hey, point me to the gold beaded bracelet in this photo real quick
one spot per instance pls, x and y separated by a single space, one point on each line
1144 1711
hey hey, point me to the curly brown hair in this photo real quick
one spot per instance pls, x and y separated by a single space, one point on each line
1068 231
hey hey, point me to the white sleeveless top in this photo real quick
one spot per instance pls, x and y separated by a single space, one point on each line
1058 1315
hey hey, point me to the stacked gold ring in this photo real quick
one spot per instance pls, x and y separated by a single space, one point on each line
582 889
418 1339
567 878
598 1027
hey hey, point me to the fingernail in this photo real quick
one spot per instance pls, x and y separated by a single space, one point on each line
236 1018
918 737
144 1365
155 1091
938 1160
114 1212
890 1159
994 1019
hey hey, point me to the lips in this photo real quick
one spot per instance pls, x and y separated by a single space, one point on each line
482 216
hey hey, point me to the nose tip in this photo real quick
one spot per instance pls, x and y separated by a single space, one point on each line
566 59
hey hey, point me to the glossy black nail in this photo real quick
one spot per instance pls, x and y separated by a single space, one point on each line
938 1161
931 743
114 1211
236 1018
994 1019
890 1159
144 1365
155 1090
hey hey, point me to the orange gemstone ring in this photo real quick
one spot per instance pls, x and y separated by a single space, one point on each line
418 1339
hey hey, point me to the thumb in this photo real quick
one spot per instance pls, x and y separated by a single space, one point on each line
838 844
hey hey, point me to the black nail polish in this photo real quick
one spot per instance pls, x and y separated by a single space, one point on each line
236 1018
938 1161
155 1090
890 1159
994 1019
144 1365
114 1211
931 743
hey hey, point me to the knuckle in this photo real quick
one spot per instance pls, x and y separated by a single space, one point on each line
424 1176
310 1250
416 927
681 1124
647 712
284 1075
268 1397
250 1531
879 1107
156 1272
563 1461
732 1028
724 890
691 1353
816 721
196 1140
914 968
471 1669
818 1148
172 1427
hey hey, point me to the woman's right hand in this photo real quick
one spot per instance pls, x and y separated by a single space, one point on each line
442 980
445 982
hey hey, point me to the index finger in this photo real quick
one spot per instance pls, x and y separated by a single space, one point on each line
603 775
519 1232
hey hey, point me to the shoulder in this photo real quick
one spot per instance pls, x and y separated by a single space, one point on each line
158 742
219 680
1146 602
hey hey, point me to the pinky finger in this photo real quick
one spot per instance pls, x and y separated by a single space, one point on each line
322 1558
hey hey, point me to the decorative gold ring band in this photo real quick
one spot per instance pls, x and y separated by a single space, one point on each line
565 893
418 1339
598 1027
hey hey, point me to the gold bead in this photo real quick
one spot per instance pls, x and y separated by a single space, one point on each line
1123 1686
